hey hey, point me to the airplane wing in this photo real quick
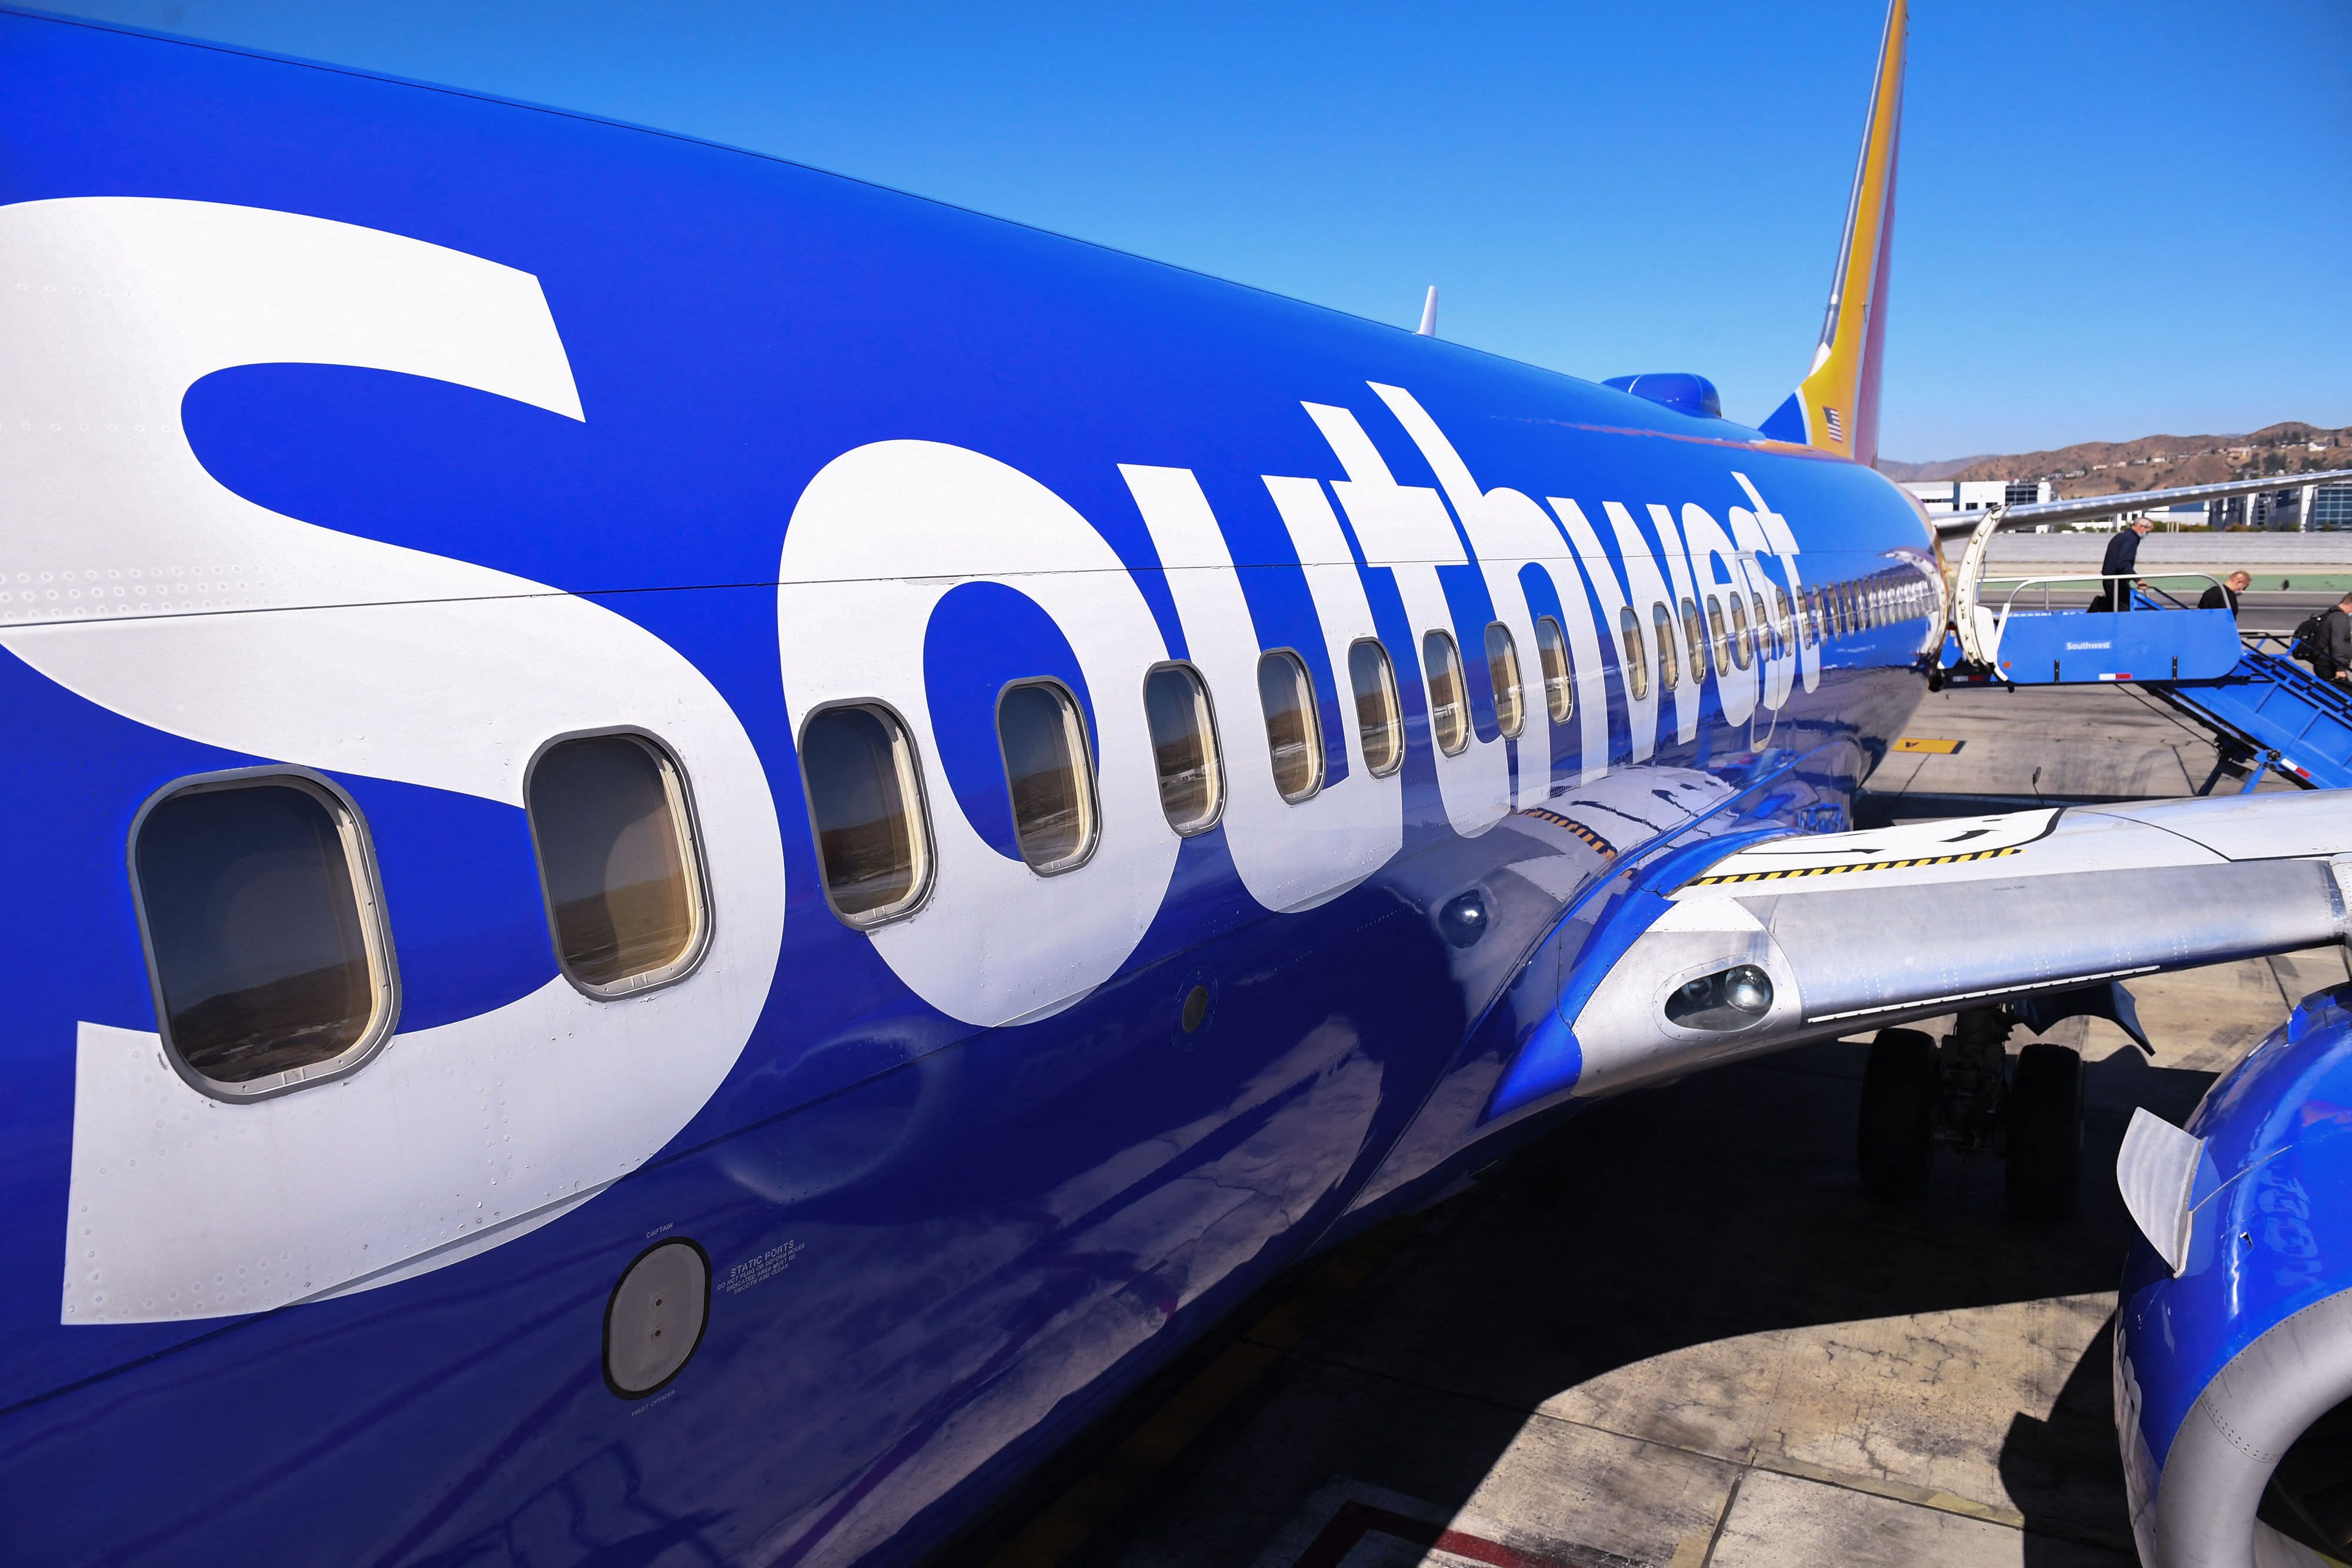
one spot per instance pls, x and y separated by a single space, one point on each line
1796 938
2081 508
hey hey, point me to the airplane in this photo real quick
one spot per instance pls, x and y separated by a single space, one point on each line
700 852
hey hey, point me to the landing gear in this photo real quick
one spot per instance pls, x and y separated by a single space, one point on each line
1964 1095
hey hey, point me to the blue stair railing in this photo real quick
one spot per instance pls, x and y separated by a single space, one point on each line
2265 712
2269 713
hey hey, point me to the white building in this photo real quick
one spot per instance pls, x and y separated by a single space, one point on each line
1968 494
2306 509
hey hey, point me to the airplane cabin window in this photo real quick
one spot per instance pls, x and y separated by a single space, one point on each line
1184 747
1743 648
1636 671
1722 637
1294 737
1449 710
1694 637
1670 673
1560 688
617 861
865 801
1379 721
1046 769
264 931
1503 674
1784 625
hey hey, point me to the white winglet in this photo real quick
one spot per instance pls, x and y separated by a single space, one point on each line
1428 327
2157 1170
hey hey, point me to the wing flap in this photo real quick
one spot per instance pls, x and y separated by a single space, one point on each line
1853 931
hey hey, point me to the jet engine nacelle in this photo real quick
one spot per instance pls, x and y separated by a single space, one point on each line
2233 1343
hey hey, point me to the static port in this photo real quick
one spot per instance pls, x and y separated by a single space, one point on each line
654 1318
1727 999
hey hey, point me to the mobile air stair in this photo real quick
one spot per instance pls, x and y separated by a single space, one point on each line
2266 711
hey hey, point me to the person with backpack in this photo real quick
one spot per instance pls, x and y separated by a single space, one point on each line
2325 643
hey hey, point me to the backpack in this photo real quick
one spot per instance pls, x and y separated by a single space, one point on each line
2310 642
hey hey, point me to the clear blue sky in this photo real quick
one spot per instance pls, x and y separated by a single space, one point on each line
2114 219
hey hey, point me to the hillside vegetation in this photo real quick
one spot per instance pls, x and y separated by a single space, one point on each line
2154 461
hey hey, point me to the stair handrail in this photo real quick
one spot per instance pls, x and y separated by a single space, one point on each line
1988 642
2021 584
1976 647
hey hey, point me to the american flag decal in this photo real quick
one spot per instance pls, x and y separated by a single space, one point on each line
1837 426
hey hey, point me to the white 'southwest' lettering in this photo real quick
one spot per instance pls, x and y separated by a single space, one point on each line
1290 856
1405 529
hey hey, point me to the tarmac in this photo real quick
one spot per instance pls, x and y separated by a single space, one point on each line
2026 746
1677 1333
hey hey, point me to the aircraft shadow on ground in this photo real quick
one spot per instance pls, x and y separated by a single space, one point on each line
1724 1207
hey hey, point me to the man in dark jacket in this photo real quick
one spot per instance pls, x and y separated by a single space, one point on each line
2223 595
2120 566
2335 660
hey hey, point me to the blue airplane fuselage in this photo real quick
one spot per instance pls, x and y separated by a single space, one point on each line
779 439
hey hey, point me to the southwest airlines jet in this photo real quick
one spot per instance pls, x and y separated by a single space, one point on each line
696 852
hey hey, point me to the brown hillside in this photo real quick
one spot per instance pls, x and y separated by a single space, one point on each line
2161 461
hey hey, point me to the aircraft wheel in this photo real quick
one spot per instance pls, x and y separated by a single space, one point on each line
1897 1133
2045 1133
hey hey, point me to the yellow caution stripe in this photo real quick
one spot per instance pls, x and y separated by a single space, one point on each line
1582 832
1920 745
1857 866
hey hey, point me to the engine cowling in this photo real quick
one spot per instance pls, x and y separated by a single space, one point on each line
2233 1343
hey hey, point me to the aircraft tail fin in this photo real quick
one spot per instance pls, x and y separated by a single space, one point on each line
1835 407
